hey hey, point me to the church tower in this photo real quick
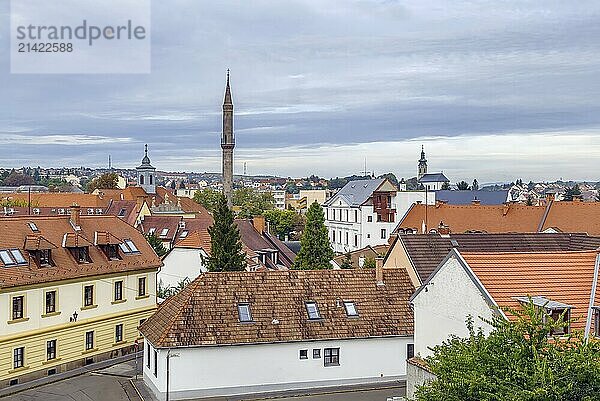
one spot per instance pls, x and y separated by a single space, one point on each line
422 164
227 144
146 174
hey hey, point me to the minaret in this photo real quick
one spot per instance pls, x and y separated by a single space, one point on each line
227 144
422 164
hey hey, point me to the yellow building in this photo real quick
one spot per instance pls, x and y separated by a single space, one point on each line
73 291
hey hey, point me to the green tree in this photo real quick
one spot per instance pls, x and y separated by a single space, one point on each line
226 245
105 181
15 179
520 360
281 222
315 249
157 245
252 203
369 263
462 186
347 262
475 185
208 198
446 185
572 192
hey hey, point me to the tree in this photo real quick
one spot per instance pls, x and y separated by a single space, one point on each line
208 198
391 177
226 245
156 244
520 360
105 181
315 249
15 179
370 263
347 262
252 203
572 192
462 186
475 185
446 185
281 222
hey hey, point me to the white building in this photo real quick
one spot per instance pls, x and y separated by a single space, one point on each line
279 196
365 212
430 181
268 332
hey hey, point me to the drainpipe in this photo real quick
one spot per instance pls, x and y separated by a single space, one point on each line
588 323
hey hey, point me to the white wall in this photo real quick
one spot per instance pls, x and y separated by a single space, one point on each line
405 199
179 264
442 310
226 370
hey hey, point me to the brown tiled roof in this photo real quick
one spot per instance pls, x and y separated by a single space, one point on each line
574 216
74 240
58 199
105 238
196 240
427 251
126 210
14 231
483 218
205 312
367 252
257 241
35 242
558 276
158 223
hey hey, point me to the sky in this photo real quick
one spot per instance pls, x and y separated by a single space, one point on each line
493 90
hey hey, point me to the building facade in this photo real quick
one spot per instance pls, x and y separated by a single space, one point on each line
75 290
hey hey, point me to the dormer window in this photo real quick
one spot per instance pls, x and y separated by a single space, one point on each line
122 212
111 251
554 310
81 254
184 234
90 211
43 257
313 311
244 313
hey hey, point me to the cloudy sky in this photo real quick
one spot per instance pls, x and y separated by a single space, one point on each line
494 90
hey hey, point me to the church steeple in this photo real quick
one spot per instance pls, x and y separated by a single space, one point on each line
422 169
227 144
146 174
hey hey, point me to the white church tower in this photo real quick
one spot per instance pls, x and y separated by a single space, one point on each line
146 174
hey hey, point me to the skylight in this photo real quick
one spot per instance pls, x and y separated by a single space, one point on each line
164 232
151 231
32 226
350 309
313 310
122 212
131 245
11 257
244 313
16 254
184 234
6 259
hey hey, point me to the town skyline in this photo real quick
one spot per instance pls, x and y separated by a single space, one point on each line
485 102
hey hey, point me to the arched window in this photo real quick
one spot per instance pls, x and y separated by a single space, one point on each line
150 179
141 179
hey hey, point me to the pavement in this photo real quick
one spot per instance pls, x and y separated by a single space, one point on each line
117 383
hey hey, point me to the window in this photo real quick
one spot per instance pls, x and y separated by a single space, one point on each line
303 354
18 304
118 333
316 353
128 246
89 340
81 254
148 356
50 349
350 309
340 237
410 351
164 232
12 257
90 211
346 237
118 290
184 234
88 295
355 240
244 313
356 216
141 180
370 219
151 231
50 302
331 356
122 212
347 215
18 256
141 286
332 235
556 314
155 363
383 233
32 226
313 310
597 322
44 257
18 357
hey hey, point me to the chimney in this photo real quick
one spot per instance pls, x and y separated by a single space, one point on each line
75 216
259 223
379 270
505 208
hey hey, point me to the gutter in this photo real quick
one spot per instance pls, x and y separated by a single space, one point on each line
588 323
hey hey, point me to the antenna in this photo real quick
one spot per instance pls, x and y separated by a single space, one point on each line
109 163
245 168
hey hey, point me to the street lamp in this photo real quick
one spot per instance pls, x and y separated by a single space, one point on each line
169 356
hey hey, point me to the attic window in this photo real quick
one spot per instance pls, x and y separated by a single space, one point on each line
244 313
122 212
164 232
90 211
128 247
554 310
32 226
350 307
184 234
313 311
12 257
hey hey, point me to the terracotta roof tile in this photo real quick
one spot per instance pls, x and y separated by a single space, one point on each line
574 216
205 312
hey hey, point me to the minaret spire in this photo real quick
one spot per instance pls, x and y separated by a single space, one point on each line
227 144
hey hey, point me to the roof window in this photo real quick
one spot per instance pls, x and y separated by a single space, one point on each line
313 310
350 307
12 257
244 313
